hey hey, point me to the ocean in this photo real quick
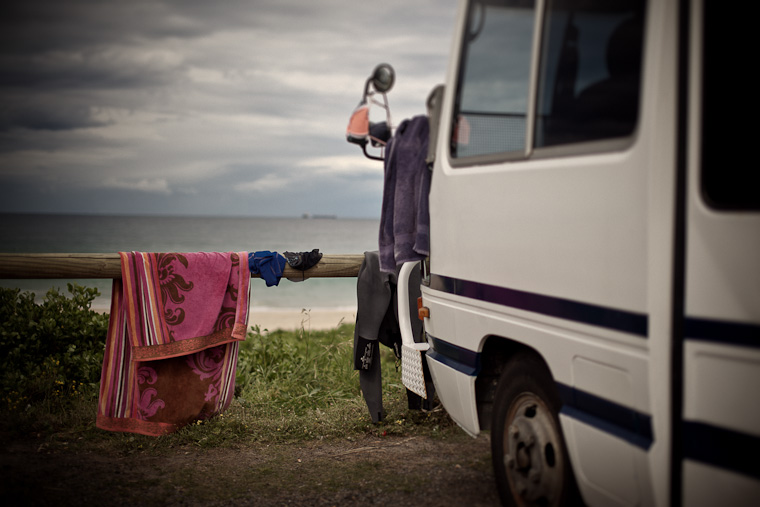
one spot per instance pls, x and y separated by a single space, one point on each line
20 233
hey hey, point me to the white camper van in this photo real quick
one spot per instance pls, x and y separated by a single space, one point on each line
592 291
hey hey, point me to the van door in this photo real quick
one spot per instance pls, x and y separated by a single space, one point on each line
551 143
720 432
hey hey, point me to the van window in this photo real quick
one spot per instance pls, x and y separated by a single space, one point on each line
728 178
590 71
588 80
494 79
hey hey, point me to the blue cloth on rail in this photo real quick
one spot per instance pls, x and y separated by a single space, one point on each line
267 264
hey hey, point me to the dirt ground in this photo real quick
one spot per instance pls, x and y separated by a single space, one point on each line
399 471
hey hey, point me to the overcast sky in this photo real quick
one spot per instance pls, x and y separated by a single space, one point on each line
235 107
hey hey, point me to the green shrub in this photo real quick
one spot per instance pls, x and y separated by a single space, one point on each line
51 348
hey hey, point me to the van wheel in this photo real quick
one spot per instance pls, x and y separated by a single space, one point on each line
528 450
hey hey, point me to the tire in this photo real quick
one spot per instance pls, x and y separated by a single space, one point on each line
528 450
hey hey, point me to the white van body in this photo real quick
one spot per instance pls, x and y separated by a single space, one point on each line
607 261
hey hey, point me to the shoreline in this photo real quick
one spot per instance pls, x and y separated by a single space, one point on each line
289 319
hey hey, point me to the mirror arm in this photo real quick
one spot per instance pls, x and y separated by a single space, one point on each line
366 88
368 155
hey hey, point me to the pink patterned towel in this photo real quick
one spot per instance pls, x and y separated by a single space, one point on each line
172 345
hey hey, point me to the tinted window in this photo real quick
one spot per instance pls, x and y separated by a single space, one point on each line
590 71
588 83
728 171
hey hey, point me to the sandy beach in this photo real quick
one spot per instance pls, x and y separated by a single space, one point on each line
290 318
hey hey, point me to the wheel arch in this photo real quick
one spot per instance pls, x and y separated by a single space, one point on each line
494 354
506 366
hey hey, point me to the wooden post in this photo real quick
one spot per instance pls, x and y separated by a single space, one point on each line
93 265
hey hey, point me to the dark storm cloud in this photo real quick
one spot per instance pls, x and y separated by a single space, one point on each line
38 117
36 26
178 98
101 69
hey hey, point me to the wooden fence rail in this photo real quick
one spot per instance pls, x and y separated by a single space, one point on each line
98 265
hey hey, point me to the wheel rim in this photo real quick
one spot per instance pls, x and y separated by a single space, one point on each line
533 458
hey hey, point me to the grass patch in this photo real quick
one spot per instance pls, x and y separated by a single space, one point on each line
299 386
290 387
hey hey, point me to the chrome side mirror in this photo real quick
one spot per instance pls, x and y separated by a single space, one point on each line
434 104
383 78
360 129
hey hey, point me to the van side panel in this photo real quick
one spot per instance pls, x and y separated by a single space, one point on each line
569 255
721 347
